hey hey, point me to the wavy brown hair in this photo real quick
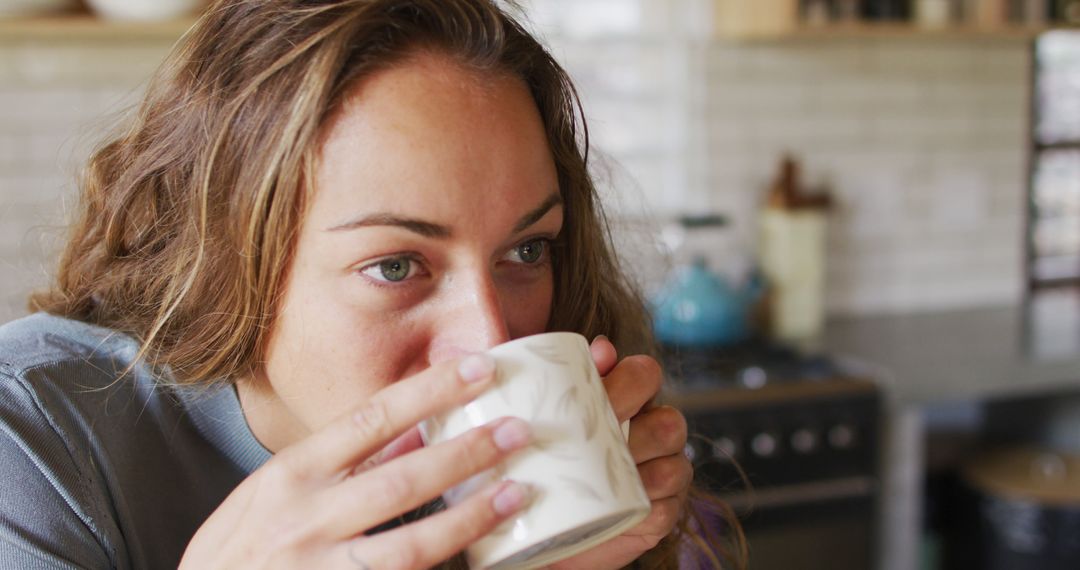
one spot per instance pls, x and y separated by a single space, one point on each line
188 216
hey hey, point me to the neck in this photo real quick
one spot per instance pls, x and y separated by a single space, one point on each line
270 421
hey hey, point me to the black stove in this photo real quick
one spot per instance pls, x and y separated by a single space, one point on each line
752 364
790 440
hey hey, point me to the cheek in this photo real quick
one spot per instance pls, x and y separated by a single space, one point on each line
331 351
528 309
327 356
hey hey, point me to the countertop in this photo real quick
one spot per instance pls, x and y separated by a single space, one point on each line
1030 348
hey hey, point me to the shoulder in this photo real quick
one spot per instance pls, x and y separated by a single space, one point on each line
64 370
81 382
42 340
54 370
46 362
68 392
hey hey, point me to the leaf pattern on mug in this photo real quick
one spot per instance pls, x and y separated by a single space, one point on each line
629 466
547 353
565 404
500 383
600 399
540 395
551 448
591 419
592 375
610 420
581 488
614 481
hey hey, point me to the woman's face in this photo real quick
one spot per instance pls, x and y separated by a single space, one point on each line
426 238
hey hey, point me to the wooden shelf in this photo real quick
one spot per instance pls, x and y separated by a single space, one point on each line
1066 145
83 26
869 31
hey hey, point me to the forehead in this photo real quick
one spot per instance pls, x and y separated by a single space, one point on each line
431 135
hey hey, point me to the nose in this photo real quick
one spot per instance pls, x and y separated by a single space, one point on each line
471 320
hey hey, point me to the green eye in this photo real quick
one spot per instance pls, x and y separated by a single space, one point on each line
531 252
395 269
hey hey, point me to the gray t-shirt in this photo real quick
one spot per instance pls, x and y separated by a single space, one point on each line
100 470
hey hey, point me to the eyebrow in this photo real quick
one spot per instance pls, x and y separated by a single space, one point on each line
438 231
540 211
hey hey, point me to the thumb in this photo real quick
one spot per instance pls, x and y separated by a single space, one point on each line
603 354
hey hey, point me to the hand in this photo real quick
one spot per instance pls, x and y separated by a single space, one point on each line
657 438
309 506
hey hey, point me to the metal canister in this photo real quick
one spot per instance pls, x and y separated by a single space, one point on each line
1020 511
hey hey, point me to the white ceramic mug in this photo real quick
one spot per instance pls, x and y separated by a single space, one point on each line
586 488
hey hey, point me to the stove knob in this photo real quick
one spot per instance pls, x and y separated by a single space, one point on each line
764 444
842 436
753 377
725 448
804 441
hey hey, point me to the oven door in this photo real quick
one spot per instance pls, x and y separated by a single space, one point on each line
828 526
810 493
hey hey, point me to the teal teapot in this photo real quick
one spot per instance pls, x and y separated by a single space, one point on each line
698 308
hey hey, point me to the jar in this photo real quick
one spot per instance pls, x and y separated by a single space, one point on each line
933 13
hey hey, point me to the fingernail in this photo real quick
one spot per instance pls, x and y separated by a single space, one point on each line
600 337
476 367
510 498
512 434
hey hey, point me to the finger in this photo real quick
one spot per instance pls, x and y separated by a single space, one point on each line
404 443
631 384
666 476
436 538
657 432
661 521
399 486
603 354
387 414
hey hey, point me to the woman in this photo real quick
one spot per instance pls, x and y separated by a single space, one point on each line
323 211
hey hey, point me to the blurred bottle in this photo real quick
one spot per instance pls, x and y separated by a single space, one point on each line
986 13
1034 12
847 11
792 251
886 10
933 13
755 17
1067 11
816 13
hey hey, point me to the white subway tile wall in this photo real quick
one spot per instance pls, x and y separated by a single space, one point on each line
57 98
921 140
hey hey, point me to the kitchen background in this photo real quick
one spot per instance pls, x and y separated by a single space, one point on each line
922 140
920 130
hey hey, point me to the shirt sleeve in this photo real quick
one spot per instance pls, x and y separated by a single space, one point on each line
49 517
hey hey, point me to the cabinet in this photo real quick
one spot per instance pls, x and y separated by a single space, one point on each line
1053 229
782 20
